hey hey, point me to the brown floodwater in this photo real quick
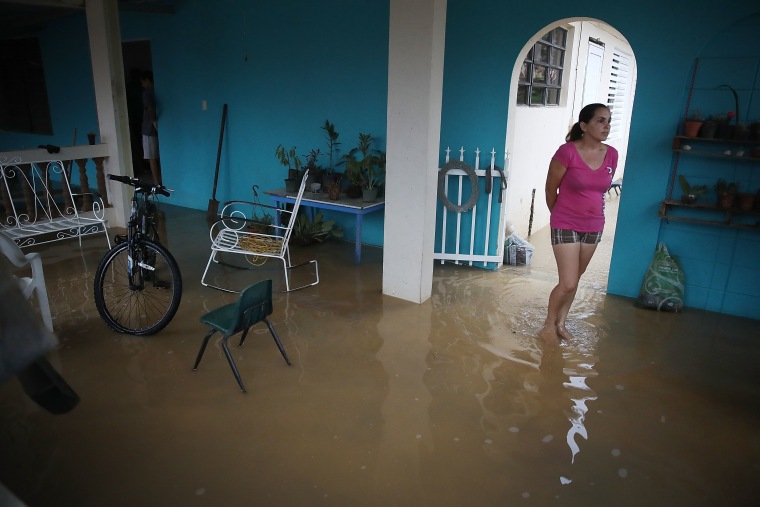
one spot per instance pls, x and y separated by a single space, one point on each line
453 402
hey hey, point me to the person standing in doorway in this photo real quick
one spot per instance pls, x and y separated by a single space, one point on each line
580 173
150 126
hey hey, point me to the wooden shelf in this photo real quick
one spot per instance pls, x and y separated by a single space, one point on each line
712 140
748 147
712 154
710 149
667 205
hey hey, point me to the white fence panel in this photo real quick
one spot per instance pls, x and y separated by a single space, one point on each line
471 230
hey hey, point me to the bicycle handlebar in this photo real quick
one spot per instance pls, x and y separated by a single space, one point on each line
134 182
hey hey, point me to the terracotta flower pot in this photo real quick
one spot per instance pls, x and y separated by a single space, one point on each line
746 201
333 191
725 201
691 128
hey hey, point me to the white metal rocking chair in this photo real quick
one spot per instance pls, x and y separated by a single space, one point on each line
231 234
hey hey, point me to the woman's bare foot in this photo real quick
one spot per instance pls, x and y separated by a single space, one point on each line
548 335
564 334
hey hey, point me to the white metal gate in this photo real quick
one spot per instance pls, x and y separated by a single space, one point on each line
470 228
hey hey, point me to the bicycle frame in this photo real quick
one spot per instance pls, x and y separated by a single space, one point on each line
138 285
142 221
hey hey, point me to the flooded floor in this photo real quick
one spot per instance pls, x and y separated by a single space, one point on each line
388 403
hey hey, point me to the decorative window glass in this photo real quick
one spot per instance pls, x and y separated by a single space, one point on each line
540 81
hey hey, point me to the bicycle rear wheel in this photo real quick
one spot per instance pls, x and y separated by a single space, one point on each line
141 301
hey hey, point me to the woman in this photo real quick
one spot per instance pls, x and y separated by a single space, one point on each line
580 173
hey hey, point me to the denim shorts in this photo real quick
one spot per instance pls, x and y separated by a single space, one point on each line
560 236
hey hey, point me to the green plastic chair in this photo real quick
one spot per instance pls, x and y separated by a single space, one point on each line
253 306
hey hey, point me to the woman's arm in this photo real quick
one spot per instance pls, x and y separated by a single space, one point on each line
556 173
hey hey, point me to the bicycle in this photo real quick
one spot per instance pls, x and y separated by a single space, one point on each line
138 285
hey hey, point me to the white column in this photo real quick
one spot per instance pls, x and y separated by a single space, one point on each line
415 86
110 99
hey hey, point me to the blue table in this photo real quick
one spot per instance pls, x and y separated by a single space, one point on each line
344 205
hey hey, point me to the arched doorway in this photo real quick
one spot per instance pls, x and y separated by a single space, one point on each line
564 66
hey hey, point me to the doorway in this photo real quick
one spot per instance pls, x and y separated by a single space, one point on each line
136 56
596 64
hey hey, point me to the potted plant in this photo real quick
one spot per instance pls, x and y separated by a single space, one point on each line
693 123
725 127
331 179
689 193
365 167
746 201
308 232
315 171
726 193
710 127
372 178
289 159
331 140
754 131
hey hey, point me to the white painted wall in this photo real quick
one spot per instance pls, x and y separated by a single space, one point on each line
535 133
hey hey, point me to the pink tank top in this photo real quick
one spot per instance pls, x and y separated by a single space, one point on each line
580 202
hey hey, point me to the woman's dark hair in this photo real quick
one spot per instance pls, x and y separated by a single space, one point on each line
585 116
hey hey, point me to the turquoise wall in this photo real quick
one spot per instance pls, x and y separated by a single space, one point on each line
720 264
311 61
306 62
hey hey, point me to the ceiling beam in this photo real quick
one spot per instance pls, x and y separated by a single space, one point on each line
148 7
66 4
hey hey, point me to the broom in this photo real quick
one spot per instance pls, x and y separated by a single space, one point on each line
213 204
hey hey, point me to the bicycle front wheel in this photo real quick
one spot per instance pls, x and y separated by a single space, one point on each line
138 289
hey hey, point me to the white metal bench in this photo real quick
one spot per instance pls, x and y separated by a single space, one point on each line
231 234
38 205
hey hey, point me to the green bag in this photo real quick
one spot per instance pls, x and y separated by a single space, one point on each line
663 286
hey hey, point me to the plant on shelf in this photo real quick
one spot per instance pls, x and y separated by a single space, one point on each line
315 171
289 159
365 165
689 193
308 232
331 139
710 126
726 193
739 131
693 123
331 179
754 131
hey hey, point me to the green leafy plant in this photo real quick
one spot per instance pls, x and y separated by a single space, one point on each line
261 223
690 193
331 139
696 115
289 159
311 164
365 165
261 220
722 187
308 232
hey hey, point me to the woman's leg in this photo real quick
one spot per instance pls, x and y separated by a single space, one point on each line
584 254
567 256
572 261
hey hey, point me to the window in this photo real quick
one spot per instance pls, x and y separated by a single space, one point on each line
621 84
540 81
23 94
